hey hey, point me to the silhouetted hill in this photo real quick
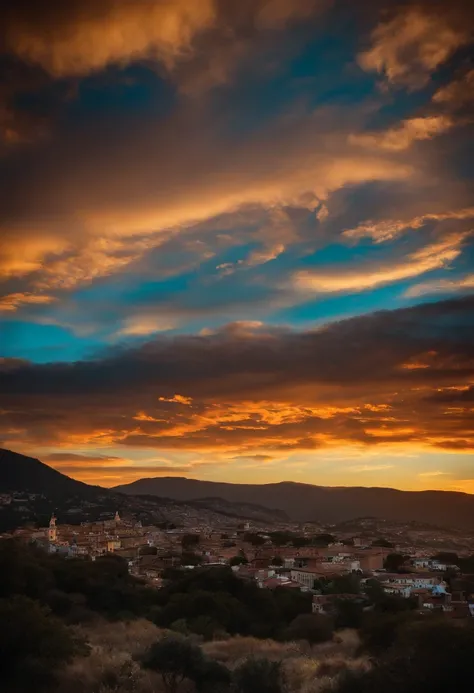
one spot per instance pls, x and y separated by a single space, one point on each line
321 503
27 474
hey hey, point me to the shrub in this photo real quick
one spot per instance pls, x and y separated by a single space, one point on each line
314 628
258 676
33 644
175 659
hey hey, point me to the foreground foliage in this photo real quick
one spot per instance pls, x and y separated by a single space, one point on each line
89 627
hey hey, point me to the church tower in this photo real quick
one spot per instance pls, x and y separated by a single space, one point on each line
117 517
52 531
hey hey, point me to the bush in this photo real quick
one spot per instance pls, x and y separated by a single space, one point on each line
211 675
258 676
379 631
349 613
430 655
72 588
314 628
33 644
234 606
175 659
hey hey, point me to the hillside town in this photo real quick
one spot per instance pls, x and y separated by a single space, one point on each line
305 558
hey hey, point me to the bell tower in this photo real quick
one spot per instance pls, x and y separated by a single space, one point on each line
52 530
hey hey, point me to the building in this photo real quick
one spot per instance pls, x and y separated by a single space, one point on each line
306 576
52 531
413 580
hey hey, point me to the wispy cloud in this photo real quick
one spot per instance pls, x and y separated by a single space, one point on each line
433 473
409 131
428 258
440 286
370 467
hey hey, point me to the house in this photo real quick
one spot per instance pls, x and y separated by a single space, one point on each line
370 561
275 581
307 576
408 579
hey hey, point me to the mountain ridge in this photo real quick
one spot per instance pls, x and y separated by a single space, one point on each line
327 504
39 490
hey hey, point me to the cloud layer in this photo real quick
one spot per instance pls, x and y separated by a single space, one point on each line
203 208
370 380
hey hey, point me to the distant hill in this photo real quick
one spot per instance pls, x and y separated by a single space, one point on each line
306 502
248 511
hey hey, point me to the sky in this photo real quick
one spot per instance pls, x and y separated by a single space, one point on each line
237 240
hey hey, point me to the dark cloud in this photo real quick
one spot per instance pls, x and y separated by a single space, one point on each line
461 396
74 457
366 380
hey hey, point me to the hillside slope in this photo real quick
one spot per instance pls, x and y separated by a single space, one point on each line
19 472
324 504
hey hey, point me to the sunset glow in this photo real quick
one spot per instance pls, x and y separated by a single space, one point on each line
237 240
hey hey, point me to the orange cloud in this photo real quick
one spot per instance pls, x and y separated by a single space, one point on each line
12 302
458 93
139 325
387 230
346 384
135 208
426 259
179 399
409 47
84 37
439 286
401 137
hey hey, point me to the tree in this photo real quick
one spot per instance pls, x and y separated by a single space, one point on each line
374 590
281 538
190 558
428 654
384 543
175 659
238 606
299 542
349 613
238 560
32 644
323 539
211 675
277 561
447 557
258 676
314 628
344 584
206 626
189 541
379 631
394 562
254 539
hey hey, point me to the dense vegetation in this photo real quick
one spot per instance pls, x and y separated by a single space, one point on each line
48 605
212 601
